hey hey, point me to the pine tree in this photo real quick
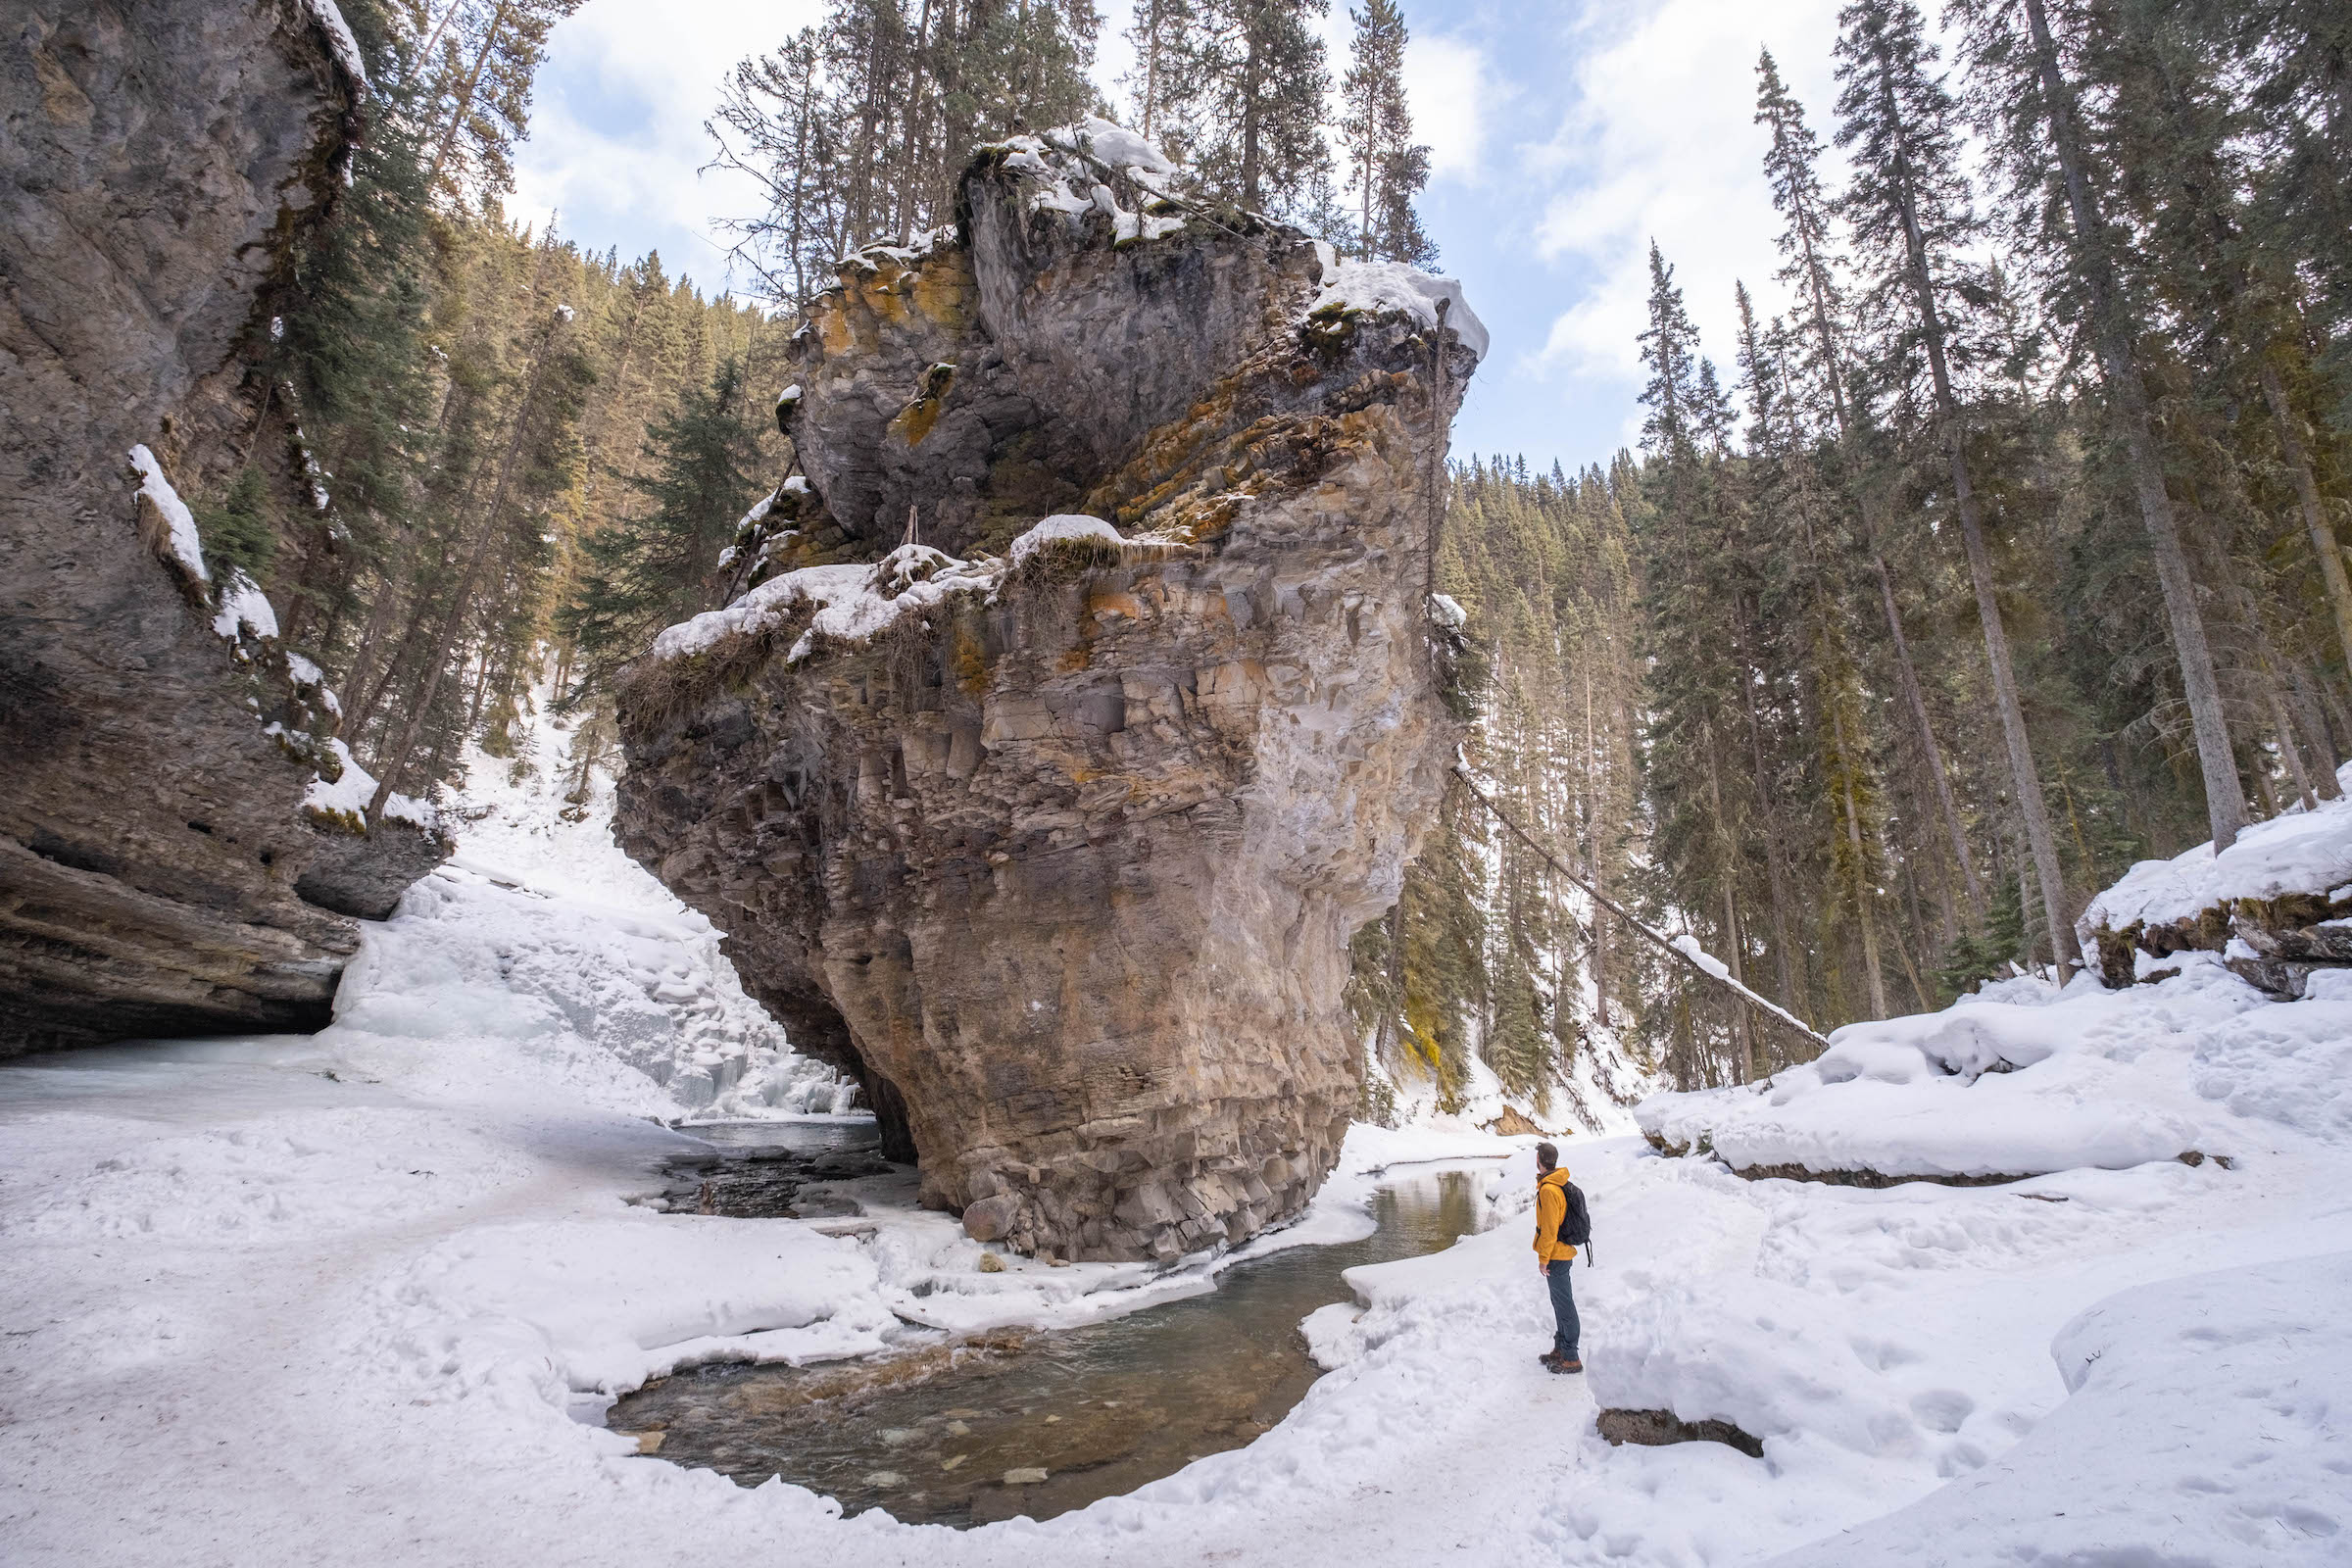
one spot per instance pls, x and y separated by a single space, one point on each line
773 122
1791 166
1910 212
644 572
239 533
859 128
1255 122
1158 87
2029 89
1387 168
479 66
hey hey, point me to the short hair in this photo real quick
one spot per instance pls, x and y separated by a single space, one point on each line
1547 1157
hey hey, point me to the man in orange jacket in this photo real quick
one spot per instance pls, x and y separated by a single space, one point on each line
1552 1207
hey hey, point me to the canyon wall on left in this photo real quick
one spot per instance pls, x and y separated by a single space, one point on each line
167 864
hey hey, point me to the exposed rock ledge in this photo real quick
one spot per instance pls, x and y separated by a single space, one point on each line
1060 854
2277 904
159 873
1658 1428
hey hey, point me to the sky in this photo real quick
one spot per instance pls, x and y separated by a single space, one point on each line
1564 137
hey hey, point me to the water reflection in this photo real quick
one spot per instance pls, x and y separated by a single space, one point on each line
1041 1423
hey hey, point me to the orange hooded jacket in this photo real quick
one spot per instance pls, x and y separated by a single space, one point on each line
1552 1207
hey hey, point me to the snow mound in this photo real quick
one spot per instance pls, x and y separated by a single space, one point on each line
1067 527
1379 288
2197 1428
243 607
603 1305
2295 851
2084 1078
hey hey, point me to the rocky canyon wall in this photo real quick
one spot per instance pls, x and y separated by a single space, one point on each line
1052 821
160 870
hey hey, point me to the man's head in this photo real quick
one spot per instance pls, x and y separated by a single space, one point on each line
1547 1157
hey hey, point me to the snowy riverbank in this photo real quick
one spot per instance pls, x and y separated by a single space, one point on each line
256 1308
362 1298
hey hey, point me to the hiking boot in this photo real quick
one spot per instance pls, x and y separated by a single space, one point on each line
1551 1358
1561 1364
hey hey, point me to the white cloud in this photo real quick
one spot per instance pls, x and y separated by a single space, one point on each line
618 125
1448 83
1659 141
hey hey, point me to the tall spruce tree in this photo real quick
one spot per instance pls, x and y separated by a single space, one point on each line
2029 94
1254 125
1386 167
645 571
1791 166
1913 222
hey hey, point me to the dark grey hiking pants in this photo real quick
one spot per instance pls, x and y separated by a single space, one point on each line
1560 1278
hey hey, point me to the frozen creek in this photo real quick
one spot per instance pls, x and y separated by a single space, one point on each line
1012 1422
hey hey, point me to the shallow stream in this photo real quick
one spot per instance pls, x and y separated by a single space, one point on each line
1039 1422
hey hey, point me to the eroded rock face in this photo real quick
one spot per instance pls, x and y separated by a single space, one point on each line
2274 943
1064 860
157 872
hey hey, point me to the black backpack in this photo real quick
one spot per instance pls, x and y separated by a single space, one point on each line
1576 1222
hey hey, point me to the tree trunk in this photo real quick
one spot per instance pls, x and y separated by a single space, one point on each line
1775 873
1932 753
2324 548
474 83
1862 888
2224 794
2027 781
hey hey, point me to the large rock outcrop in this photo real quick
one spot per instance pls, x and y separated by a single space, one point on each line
158 870
1057 835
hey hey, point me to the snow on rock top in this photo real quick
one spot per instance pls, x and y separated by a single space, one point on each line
329 18
2296 852
1379 287
187 545
243 607
1126 149
1063 527
350 791
853 602
1065 162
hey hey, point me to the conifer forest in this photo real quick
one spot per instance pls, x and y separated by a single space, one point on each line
2006 551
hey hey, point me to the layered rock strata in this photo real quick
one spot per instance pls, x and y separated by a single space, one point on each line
159 872
2273 944
1061 850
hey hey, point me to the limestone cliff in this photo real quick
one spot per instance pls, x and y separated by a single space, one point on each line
159 871
1054 831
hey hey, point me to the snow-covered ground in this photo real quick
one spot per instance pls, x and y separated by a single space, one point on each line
361 1297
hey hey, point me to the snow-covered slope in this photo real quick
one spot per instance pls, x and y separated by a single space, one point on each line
542 954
